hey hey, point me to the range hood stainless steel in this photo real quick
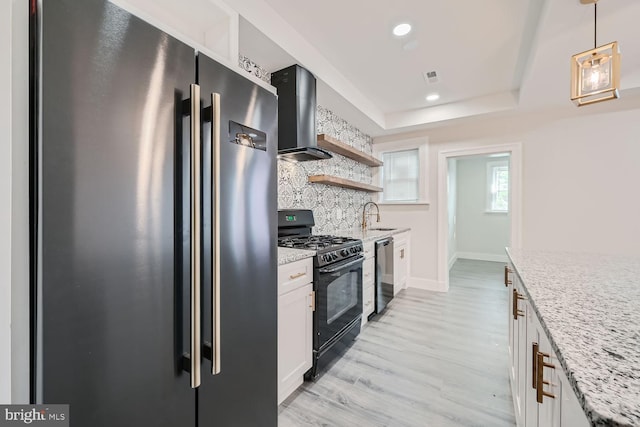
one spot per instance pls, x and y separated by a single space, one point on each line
297 139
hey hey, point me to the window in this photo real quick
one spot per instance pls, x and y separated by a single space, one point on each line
400 176
404 173
498 186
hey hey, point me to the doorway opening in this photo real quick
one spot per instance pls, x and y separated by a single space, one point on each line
479 205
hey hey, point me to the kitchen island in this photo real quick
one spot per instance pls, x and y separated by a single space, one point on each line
589 308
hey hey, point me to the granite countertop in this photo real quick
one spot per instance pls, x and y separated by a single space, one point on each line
287 255
589 306
369 235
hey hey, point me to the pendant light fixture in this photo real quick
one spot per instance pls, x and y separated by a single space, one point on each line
595 74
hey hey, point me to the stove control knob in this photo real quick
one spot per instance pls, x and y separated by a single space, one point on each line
334 255
344 252
326 258
353 249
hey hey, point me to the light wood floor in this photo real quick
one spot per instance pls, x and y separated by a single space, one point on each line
432 359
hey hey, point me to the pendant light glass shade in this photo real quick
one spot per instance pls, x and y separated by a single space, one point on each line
595 75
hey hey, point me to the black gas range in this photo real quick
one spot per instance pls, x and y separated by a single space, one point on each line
337 281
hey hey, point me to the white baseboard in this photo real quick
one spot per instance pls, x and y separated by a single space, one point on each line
426 284
482 257
453 260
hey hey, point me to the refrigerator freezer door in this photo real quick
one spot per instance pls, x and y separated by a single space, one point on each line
244 392
113 273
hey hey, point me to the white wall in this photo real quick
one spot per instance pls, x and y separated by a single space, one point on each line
481 235
20 203
579 190
581 179
14 194
452 213
5 205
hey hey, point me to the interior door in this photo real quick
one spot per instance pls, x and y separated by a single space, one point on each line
244 392
109 319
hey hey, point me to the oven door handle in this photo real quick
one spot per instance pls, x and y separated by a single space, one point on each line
341 266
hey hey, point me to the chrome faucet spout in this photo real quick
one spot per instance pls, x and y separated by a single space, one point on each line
364 214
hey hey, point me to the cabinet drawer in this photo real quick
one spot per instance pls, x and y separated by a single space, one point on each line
369 250
401 238
294 275
368 300
368 271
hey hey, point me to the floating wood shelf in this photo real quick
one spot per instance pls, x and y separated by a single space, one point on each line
345 183
333 145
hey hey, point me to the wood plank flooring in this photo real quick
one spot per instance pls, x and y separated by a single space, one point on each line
432 359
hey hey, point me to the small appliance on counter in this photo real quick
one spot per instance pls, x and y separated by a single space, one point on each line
337 281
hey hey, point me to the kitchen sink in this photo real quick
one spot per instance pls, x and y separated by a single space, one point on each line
382 229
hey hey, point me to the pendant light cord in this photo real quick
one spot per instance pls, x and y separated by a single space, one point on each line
595 24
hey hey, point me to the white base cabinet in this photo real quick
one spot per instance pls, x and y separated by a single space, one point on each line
400 261
542 396
296 302
368 281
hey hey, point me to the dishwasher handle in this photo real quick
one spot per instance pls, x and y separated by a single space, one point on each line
384 242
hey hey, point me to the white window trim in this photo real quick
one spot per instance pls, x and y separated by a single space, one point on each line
422 144
489 198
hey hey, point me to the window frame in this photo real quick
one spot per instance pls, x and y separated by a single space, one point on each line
491 166
421 144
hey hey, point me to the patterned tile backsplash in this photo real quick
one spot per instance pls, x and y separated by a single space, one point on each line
334 208
252 68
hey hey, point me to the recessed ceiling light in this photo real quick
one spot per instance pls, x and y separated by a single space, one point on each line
401 29
433 97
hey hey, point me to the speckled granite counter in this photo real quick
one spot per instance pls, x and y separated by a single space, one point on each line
287 255
369 235
589 306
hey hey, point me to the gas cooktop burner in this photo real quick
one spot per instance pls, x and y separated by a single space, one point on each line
314 242
329 249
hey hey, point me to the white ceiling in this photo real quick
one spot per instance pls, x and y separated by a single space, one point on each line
491 57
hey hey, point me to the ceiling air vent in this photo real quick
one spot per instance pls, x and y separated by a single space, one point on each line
430 77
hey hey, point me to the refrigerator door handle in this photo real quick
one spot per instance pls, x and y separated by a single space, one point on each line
215 176
196 221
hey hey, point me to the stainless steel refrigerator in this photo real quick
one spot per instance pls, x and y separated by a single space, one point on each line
153 203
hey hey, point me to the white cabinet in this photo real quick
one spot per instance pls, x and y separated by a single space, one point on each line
543 401
400 261
296 302
542 396
368 281
517 346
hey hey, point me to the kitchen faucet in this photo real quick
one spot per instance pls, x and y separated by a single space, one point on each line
365 214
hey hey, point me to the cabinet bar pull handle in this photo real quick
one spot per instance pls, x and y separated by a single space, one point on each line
507 270
215 175
313 300
295 276
540 377
534 363
516 312
196 192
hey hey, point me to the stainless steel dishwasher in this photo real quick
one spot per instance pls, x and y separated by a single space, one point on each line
384 273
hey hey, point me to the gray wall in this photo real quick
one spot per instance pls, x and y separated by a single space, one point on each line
480 235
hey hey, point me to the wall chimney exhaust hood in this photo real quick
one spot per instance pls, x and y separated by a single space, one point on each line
297 138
